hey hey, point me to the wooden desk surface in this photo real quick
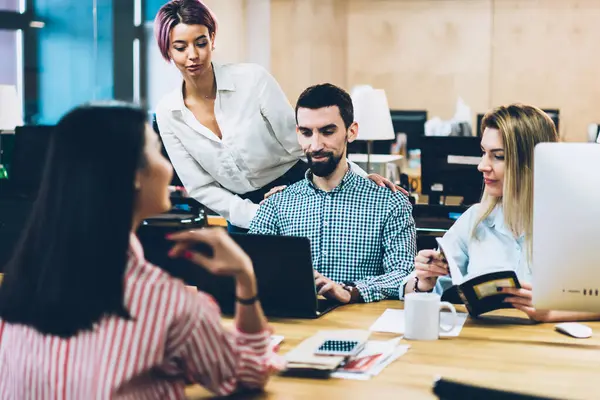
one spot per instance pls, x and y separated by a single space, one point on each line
506 353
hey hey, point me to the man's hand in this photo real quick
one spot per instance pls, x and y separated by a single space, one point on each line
330 289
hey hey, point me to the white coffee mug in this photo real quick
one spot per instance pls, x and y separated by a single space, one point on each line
422 316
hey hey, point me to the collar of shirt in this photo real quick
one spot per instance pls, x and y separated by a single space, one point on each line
223 80
348 182
496 220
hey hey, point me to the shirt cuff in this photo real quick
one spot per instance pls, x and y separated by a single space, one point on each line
403 284
258 360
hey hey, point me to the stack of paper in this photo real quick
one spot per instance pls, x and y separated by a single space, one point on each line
372 360
303 357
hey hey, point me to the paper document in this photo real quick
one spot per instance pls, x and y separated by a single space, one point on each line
276 339
372 360
393 321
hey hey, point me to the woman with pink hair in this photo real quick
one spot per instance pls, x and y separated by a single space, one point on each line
229 130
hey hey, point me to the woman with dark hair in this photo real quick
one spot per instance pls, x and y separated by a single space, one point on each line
229 130
83 315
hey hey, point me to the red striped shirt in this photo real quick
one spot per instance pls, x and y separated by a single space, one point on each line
175 338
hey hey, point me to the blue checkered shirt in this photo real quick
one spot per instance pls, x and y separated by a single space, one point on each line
359 232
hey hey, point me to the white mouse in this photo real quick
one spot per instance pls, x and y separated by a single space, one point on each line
574 329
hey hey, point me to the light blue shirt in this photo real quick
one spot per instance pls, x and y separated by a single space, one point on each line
494 247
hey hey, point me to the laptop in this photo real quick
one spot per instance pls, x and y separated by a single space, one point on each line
282 264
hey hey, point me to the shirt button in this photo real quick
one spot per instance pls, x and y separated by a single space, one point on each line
326 223
324 253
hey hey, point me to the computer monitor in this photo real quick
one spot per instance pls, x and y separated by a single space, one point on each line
410 122
28 159
449 168
552 113
566 227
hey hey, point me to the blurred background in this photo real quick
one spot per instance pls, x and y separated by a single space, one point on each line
421 73
425 54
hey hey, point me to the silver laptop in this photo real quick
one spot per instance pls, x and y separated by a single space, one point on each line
566 227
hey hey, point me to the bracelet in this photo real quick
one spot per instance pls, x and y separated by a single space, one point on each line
416 288
247 302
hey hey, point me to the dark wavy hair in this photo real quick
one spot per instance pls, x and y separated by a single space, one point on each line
67 271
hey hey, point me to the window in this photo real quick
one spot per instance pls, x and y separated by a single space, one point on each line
10 5
10 54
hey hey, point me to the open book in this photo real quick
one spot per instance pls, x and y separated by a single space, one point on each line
479 292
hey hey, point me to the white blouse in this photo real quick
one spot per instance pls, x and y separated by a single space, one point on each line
495 247
259 141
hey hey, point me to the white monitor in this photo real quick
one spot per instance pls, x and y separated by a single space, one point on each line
566 227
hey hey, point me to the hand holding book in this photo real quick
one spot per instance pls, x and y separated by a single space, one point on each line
480 292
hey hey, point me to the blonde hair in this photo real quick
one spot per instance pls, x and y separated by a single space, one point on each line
522 127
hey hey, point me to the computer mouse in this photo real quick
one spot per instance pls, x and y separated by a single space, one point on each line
574 329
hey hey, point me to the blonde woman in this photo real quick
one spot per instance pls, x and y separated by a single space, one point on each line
497 232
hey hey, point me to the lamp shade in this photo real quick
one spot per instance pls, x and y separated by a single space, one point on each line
10 108
372 113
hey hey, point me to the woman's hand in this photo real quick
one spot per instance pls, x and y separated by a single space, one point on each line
273 190
383 182
429 265
522 298
228 258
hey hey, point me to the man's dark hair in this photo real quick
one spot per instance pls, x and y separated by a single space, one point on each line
68 269
327 95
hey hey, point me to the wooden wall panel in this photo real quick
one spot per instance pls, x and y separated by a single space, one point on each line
427 53
547 52
230 43
424 53
308 43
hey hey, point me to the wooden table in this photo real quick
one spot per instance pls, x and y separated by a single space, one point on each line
506 352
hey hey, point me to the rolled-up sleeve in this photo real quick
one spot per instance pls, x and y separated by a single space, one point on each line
399 246
221 360
266 221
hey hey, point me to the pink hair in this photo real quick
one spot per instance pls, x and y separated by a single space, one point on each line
189 12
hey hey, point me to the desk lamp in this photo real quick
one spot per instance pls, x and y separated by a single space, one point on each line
372 113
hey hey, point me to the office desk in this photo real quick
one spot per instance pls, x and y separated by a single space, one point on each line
528 358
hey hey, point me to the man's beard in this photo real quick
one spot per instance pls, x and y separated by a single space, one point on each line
323 168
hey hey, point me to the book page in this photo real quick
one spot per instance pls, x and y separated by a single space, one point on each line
455 274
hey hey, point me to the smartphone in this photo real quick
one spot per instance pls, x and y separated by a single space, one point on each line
336 347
